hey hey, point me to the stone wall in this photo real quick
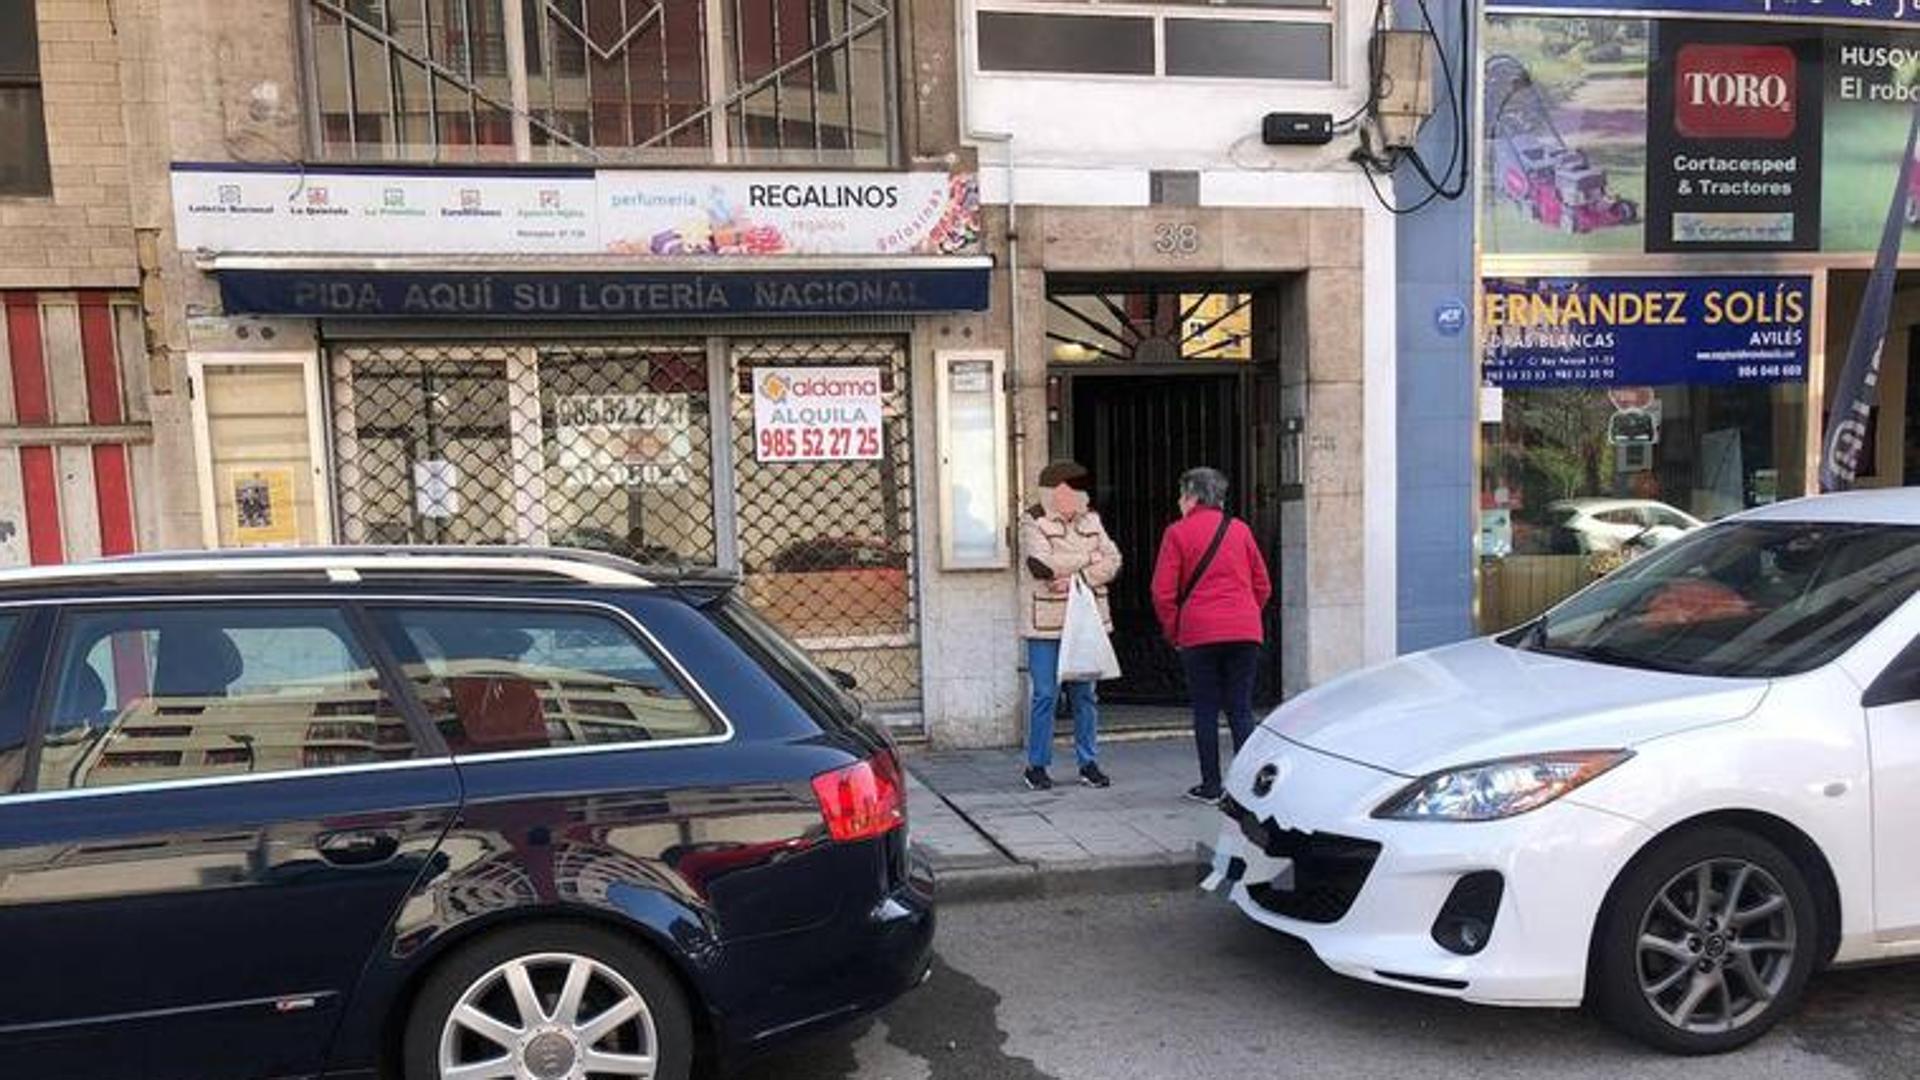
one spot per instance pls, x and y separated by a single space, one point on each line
974 689
82 235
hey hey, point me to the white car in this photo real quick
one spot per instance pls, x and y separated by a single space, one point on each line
1619 524
1677 794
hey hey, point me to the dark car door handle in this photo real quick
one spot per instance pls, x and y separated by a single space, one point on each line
358 847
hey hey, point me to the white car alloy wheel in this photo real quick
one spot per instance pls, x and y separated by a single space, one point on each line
1716 946
549 1016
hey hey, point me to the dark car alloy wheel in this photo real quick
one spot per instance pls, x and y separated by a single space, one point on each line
1706 941
1716 946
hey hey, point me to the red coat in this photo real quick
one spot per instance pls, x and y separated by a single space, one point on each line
1225 606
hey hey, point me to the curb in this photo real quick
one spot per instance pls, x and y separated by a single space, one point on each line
1092 877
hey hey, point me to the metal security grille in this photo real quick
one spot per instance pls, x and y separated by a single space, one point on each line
827 546
581 445
627 440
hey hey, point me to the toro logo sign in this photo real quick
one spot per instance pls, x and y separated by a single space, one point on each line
1735 91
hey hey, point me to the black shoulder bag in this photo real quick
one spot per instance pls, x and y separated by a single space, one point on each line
1199 569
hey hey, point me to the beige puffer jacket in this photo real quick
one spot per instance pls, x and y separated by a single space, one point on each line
1080 546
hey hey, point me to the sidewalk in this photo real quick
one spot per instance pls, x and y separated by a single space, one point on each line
990 838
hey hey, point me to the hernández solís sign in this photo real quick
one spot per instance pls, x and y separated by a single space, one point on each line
1644 331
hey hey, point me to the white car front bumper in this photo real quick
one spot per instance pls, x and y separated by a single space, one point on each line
1369 913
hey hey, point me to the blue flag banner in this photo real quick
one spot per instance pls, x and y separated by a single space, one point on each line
1859 387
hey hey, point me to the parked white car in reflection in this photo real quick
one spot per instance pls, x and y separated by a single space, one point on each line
1620 524
1662 796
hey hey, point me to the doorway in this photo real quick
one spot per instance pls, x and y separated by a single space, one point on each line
1149 380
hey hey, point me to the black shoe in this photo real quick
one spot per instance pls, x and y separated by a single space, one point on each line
1201 793
1037 779
1091 776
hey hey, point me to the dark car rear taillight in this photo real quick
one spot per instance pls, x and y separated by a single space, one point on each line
863 800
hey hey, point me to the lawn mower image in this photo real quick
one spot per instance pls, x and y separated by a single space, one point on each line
1534 167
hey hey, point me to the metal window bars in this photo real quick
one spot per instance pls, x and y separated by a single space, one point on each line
604 81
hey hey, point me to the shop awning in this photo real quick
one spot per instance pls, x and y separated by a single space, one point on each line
596 287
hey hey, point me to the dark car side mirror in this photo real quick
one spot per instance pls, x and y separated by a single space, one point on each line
843 680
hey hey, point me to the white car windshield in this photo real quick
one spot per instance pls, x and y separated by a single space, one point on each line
1744 599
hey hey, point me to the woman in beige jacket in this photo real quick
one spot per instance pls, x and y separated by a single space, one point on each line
1060 537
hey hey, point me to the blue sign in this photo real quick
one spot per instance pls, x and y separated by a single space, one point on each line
1645 331
1450 317
601 295
1878 11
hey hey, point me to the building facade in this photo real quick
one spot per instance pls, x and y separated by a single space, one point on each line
1670 273
806 289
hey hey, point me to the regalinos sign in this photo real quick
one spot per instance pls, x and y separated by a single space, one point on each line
355 211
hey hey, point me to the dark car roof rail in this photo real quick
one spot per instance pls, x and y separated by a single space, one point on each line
347 565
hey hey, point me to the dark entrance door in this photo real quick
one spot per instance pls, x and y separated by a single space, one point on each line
1138 433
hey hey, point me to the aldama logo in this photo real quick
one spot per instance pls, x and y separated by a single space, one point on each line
1735 91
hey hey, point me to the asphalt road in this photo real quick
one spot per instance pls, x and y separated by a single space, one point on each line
1181 987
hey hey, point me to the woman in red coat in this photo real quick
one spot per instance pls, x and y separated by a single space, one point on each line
1210 610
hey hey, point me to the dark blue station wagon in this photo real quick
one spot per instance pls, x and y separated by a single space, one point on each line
430 813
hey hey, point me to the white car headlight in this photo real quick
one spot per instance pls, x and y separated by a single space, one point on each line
1490 790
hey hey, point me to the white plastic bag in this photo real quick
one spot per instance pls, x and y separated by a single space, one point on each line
1085 653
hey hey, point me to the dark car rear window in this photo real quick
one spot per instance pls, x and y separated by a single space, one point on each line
786 662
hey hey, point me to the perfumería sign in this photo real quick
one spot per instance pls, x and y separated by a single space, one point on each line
816 414
643 213
346 211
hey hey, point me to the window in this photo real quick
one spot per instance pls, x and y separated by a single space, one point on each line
24 167
800 82
495 679
1629 517
1019 41
177 693
1233 39
1665 517
787 662
1238 49
12 734
1752 599
576 443
1091 324
1664 458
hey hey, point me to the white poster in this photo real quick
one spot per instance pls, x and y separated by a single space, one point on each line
816 414
734 213
351 212
436 489
606 441
317 211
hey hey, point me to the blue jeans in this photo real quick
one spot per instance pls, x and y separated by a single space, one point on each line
1043 661
1220 677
